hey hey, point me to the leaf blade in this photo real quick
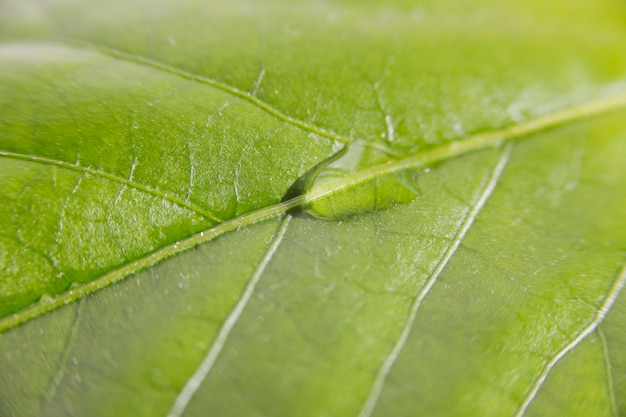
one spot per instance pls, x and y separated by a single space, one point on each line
333 300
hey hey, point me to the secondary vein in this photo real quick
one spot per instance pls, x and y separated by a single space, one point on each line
62 363
609 373
192 385
606 306
381 377
111 177
251 98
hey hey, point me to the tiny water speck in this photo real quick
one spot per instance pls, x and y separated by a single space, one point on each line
46 299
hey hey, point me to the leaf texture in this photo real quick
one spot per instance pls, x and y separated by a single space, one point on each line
166 170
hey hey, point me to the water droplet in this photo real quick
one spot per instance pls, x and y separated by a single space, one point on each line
46 299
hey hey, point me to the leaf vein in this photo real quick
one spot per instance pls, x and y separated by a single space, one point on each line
607 370
111 177
381 377
249 97
124 271
53 385
455 149
606 306
192 385
476 142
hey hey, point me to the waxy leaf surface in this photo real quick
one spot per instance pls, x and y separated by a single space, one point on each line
291 208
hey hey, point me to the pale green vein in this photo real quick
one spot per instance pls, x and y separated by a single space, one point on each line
115 178
607 370
63 361
251 98
192 385
46 258
381 377
606 306
142 263
470 144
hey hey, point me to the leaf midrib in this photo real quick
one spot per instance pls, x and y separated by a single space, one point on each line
455 149
472 143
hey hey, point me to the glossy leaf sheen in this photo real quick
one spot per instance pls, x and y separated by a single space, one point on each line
311 209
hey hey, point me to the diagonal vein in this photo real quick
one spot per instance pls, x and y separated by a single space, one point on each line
192 385
446 152
124 271
475 142
604 309
114 178
609 373
54 383
160 66
381 377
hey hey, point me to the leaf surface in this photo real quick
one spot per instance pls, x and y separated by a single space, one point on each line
166 171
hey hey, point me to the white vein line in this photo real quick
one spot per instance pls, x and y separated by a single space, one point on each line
600 315
389 125
609 374
192 385
379 382
258 82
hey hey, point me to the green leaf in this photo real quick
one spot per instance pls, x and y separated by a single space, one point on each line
292 208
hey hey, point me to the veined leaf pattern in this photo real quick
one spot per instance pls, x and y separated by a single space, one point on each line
164 171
